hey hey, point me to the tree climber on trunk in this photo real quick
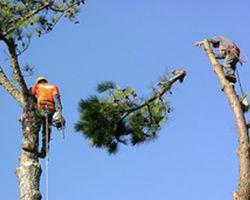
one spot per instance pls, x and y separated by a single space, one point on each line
228 51
48 102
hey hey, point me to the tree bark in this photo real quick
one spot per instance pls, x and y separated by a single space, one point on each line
21 22
28 173
243 192
29 169
16 69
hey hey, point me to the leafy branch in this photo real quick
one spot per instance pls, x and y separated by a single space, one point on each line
21 19
122 117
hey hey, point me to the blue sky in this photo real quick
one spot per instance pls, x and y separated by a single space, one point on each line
133 43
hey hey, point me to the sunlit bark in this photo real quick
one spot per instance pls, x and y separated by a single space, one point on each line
243 192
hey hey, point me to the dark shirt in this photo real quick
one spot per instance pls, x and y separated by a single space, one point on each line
225 45
221 41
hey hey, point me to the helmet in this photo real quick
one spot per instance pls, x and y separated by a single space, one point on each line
41 79
58 120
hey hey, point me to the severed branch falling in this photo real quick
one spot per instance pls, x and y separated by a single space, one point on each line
122 117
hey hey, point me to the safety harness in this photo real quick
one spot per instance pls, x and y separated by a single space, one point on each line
46 104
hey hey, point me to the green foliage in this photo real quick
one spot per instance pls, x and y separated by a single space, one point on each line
120 116
105 86
20 19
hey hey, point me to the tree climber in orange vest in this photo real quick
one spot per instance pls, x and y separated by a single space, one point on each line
48 102
228 51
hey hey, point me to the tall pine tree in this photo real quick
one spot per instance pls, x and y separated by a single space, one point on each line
20 20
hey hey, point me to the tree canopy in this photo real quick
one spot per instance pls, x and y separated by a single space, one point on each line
20 20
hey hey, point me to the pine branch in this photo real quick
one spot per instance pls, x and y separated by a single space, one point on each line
21 20
179 75
122 117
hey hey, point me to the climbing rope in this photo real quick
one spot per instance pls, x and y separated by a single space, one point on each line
240 85
47 157
47 152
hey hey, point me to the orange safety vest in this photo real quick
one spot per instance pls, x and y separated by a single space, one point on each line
44 93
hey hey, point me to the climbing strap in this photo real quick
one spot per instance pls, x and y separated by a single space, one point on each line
30 115
29 144
46 102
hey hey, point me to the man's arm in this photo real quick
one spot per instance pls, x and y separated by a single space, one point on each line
198 44
214 41
57 101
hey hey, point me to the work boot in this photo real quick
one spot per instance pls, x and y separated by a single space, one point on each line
230 75
248 125
231 78
42 154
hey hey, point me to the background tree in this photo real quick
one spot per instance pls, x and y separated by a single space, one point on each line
243 192
121 117
20 20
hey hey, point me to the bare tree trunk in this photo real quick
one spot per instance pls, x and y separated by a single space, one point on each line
28 173
29 169
243 192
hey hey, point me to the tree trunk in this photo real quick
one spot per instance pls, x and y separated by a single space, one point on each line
29 169
28 173
243 192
